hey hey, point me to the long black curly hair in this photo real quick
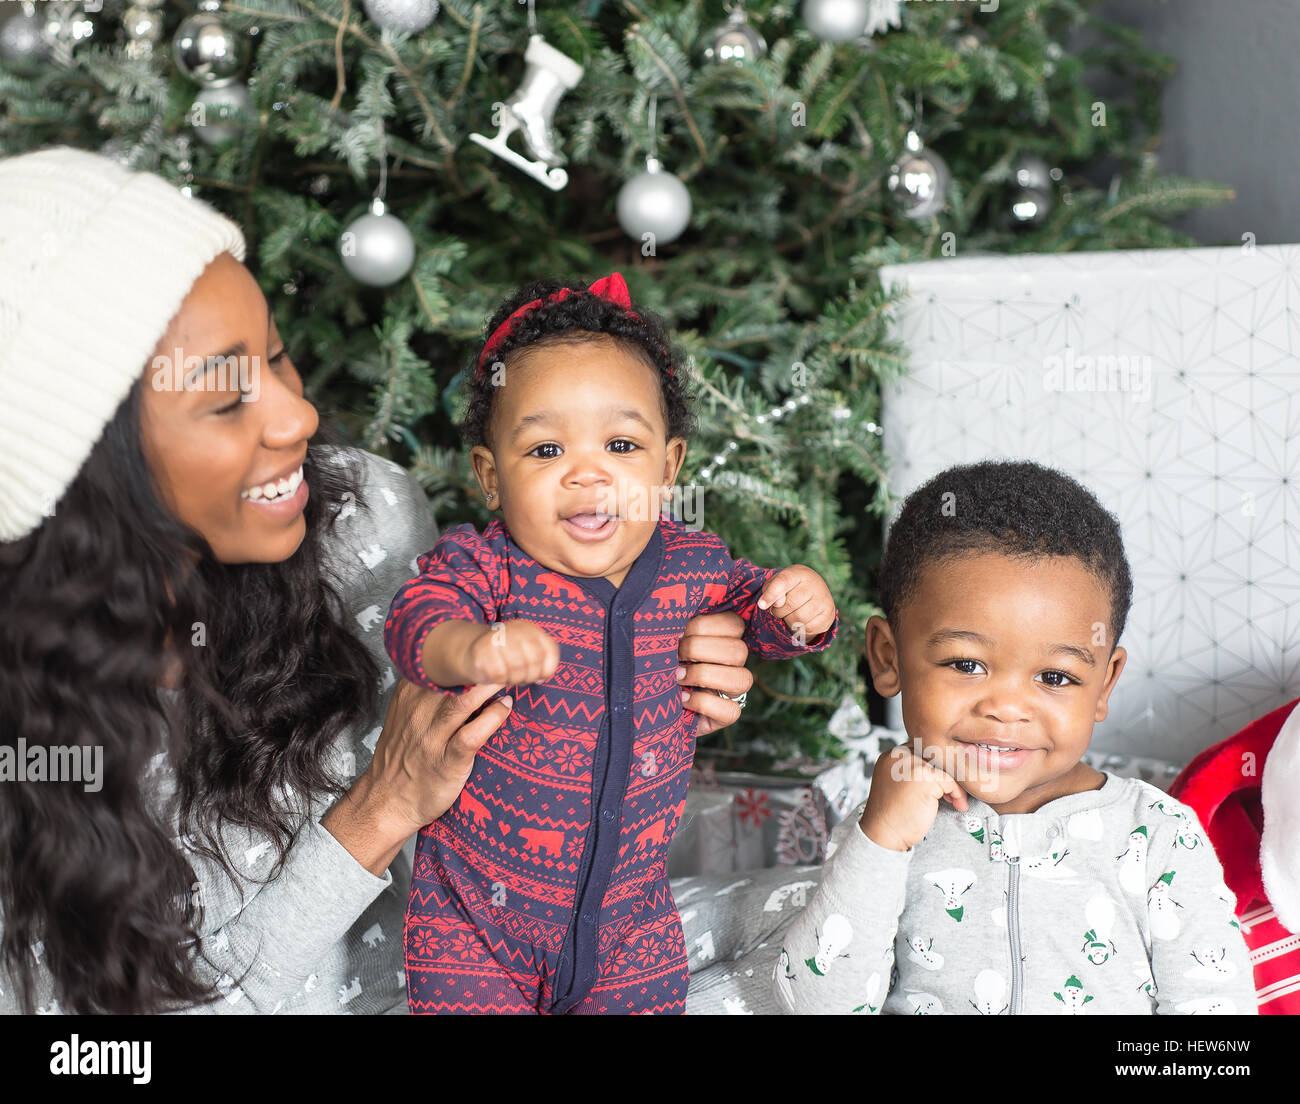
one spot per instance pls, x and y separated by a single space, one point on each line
1014 507
88 602
570 319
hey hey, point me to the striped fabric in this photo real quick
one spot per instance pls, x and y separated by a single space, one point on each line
1275 957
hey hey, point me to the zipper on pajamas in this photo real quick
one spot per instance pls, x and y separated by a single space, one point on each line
1013 931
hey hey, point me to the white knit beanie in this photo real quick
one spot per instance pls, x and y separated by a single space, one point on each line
95 261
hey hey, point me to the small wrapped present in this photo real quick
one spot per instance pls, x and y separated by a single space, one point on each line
748 820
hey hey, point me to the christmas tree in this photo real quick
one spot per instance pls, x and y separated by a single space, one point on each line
797 146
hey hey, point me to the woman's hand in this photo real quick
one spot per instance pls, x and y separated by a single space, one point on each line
714 656
421 763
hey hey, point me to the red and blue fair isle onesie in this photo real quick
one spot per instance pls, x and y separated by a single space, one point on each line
544 888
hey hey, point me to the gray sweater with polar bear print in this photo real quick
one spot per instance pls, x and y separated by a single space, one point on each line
1109 901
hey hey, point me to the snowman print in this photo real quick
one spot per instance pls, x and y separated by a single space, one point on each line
997 852
870 1005
1049 866
1133 862
836 934
1099 913
924 1004
1185 833
954 885
1072 996
1163 909
784 976
922 952
990 991
1212 964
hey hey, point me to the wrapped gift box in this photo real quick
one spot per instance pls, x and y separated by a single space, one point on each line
746 820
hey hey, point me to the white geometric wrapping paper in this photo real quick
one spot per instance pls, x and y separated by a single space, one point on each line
1185 424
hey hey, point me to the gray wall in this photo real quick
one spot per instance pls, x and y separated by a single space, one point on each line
1232 111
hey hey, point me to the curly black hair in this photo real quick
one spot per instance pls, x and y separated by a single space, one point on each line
88 603
1013 507
577 318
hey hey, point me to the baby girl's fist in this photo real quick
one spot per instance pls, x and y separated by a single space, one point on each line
514 652
799 597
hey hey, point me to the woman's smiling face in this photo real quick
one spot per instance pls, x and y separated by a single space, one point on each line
226 439
1010 653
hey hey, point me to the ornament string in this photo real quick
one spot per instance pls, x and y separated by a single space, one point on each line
377 201
651 111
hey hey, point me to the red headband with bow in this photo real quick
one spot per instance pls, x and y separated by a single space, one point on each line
612 288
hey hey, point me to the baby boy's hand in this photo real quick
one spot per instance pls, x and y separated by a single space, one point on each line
513 652
904 799
799 596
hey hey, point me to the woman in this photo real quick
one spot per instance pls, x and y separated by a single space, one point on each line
192 596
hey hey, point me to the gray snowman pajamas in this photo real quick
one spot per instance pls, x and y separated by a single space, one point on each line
1105 902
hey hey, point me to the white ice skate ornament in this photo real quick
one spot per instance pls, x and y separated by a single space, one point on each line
548 75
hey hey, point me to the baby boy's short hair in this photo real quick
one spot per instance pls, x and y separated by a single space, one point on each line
1014 508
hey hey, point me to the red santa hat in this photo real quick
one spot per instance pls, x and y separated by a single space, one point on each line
1279 848
1246 792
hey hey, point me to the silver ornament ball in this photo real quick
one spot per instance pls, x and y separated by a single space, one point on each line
1029 206
207 51
408 16
142 25
734 42
918 181
140 22
836 20
654 202
67 24
216 112
1031 171
23 40
377 249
